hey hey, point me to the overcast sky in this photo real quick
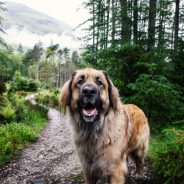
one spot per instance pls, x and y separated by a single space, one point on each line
68 11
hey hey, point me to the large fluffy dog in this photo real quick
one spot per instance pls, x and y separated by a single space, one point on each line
105 131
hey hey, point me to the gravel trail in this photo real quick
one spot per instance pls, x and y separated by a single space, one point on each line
52 159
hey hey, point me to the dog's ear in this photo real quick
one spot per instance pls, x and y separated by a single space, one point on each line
113 93
66 93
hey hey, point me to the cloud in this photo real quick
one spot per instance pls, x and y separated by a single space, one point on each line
28 39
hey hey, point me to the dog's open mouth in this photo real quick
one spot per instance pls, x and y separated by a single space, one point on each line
89 114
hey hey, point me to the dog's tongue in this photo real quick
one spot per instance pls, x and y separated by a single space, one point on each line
89 112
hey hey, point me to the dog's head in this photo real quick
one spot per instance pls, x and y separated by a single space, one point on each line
90 93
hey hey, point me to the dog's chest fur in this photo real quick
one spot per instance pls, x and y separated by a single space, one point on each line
102 146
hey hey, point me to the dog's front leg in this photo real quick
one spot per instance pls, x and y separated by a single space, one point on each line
117 179
118 174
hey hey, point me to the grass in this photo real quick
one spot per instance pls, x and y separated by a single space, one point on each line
22 130
166 152
13 138
49 98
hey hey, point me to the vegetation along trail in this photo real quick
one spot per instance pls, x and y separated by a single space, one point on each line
52 159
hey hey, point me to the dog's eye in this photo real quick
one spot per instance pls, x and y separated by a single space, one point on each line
81 80
99 81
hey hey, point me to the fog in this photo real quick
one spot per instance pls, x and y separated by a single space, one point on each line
28 39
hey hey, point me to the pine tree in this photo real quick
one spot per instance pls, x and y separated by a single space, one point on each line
176 23
2 42
37 53
20 49
151 24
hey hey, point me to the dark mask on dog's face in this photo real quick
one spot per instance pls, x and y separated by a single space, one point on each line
89 102
90 93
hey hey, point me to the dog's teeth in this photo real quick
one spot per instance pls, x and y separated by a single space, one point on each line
89 112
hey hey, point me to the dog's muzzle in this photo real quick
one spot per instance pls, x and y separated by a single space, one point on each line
89 102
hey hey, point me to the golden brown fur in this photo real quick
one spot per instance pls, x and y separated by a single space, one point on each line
120 130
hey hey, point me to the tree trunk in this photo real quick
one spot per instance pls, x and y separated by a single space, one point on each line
176 24
125 25
135 22
37 70
151 24
107 24
113 24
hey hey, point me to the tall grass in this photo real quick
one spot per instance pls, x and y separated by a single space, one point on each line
8 112
49 98
167 154
20 130
13 137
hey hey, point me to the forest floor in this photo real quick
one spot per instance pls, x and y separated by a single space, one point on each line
52 159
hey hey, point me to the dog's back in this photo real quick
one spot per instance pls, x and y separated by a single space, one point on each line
138 143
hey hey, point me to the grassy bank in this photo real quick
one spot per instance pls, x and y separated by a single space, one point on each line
167 155
48 98
20 125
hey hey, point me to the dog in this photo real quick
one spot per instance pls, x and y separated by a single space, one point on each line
106 132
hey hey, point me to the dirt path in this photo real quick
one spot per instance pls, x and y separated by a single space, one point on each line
52 159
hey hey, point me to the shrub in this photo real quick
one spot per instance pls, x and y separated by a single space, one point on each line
21 83
15 135
8 112
159 99
3 101
119 62
2 87
48 98
12 138
167 156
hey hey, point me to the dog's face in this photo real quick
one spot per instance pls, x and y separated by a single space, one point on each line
90 93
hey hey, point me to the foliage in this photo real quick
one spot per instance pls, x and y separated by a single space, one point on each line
159 99
119 62
21 83
22 129
2 87
9 63
3 101
147 23
166 153
8 112
49 98
175 72
13 137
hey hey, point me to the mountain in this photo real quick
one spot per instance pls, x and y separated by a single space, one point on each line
22 17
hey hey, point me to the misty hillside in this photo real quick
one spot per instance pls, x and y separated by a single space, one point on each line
25 18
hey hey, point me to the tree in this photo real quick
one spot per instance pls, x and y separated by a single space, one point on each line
66 54
60 60
51 51
20 49
2 42
151 24
176 23
37 53
125 22
157 97
75 58
135 22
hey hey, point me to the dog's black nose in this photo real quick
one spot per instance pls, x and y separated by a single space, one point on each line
89 90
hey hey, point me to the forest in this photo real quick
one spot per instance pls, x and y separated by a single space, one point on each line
141 46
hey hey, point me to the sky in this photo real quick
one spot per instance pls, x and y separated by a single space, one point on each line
69 11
